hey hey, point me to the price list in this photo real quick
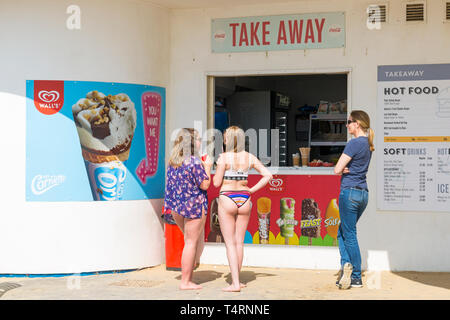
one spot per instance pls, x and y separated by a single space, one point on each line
413 138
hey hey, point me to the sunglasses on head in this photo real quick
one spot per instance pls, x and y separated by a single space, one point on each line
350 121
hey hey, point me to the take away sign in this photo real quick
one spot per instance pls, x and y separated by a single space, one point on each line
281 32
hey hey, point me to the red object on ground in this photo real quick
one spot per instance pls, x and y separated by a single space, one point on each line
174 246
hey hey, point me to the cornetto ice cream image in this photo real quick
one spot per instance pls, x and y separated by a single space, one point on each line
105 126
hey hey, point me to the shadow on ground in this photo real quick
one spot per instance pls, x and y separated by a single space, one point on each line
435 279
203 276
248 276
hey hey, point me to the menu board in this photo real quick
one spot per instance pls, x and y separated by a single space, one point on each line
413 138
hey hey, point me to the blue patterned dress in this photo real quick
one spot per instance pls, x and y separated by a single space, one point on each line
183 193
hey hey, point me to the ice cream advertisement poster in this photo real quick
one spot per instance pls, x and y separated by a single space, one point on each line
94 141
291 210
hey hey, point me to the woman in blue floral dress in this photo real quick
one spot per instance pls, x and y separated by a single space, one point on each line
188 178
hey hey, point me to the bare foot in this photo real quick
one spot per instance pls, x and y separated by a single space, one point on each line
232 289
190 286
242 285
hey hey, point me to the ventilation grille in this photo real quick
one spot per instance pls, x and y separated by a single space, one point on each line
376 13
415 12
447 11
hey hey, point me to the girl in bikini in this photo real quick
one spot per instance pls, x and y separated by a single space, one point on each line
234 201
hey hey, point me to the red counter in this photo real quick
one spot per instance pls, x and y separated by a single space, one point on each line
314 198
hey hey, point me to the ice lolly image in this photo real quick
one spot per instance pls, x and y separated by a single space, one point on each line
287 220
310 221
332 220
105 126
263 207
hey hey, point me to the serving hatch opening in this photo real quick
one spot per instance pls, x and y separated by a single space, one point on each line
286 112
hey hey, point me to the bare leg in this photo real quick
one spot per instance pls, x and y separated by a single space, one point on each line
200 243
227 220
242 220
192 231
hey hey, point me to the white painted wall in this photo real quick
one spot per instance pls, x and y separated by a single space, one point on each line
119 41
388 240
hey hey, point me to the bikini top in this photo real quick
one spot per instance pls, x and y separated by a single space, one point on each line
232 174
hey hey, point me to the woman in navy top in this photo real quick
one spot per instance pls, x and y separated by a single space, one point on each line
354 195
188 178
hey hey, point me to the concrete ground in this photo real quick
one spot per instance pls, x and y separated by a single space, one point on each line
157 283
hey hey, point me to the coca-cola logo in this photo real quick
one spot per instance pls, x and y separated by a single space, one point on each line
276 184
48 96
335 29
219 35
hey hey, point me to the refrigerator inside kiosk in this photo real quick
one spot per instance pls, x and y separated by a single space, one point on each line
262 110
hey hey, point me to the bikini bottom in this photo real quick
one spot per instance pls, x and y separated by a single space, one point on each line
238 197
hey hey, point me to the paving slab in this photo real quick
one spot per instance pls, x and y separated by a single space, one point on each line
157 283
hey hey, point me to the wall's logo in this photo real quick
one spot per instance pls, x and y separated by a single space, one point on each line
48 96
42 183
276 185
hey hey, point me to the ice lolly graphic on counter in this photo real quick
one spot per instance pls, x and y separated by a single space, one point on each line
310 223
287 221
263 207
332 220
151 114
105 126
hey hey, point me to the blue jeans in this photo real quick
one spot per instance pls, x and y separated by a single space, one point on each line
352 203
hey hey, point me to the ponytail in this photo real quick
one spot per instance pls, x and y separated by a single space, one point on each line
370 137
364 122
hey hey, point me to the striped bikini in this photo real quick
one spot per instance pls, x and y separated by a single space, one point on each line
238 197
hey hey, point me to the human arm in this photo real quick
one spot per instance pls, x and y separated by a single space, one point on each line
349 152
200 173
341 165
266 175
207 164
220 171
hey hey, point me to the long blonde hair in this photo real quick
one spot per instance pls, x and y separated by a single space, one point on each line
184 146
363 119
234 139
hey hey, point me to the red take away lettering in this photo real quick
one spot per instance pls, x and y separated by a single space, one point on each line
319 29
244 37
295 31
234 25
264 33
253 33
309 31
281 33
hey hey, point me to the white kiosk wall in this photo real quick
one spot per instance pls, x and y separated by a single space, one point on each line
118 41
388 240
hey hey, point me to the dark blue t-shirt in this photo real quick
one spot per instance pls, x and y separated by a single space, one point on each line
358 149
